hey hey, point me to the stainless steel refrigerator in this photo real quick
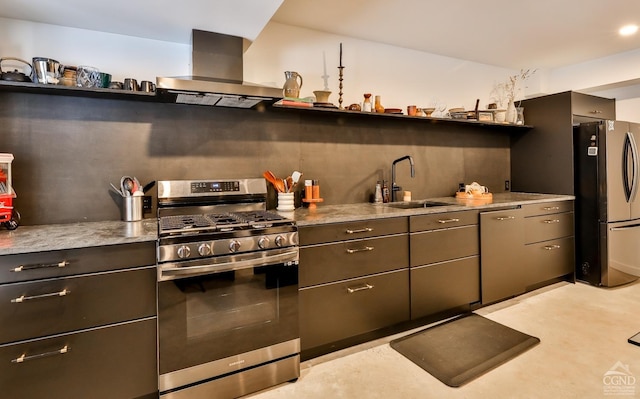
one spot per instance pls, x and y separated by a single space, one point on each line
607 180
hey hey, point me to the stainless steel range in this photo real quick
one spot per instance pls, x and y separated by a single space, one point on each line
227 290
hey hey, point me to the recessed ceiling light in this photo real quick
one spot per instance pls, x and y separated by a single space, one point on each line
628 30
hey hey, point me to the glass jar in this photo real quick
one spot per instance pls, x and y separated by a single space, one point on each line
519 115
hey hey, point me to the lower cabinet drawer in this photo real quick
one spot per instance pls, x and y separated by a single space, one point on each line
341 310
547 208
52 306
441 286
110 362
549 259
441 245
548 227
350 259
51 264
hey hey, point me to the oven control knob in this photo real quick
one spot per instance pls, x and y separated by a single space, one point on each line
234 246
263 242
184 252
204 250
280 241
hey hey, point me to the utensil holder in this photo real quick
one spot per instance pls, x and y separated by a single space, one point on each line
131 208
285 202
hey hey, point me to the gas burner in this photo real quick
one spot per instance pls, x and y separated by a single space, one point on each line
260 219
184 222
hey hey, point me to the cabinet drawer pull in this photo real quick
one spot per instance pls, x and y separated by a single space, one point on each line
365 230
361 288
24 357
551 208
23 298
551 221
551 247
501 218
595 111
38 266
353 251
452 220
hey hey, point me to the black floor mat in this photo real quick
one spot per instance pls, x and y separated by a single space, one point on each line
457 351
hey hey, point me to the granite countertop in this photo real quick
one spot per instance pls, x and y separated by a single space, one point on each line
27 239
352 212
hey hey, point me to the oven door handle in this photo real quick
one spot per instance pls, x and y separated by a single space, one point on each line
170 273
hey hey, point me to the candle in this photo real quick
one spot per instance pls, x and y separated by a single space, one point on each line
340 54
325 77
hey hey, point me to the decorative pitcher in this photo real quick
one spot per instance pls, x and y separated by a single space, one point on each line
291 87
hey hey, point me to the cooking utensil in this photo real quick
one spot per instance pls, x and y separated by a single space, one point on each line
289 184
126 183
278 184
116 190
136 184
148 186
15 76
295 177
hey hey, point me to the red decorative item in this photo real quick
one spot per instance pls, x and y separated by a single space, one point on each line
9 216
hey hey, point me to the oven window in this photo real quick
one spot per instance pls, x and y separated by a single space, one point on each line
207 318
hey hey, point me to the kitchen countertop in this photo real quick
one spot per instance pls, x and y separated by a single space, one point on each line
352 212
27 239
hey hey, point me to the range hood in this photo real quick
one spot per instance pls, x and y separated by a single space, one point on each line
217 76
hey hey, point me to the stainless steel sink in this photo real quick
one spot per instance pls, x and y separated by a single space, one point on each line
415 204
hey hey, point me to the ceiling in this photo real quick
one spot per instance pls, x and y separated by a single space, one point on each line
505 33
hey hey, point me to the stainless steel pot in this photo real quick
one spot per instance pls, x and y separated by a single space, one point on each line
14 76
46 70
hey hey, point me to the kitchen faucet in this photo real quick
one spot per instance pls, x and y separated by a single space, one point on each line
394 186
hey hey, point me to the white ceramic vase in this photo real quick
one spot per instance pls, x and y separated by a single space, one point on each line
511 112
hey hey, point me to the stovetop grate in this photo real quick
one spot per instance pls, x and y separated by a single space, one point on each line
220 221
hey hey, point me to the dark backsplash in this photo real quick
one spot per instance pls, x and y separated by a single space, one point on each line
68 149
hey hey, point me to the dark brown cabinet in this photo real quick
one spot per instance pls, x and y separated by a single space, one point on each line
542 157
354 279
549 241
502 249
444 258
79 323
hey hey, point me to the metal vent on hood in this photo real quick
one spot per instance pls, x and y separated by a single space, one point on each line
217 79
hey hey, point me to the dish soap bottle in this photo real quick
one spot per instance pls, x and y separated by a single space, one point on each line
385 192
378 196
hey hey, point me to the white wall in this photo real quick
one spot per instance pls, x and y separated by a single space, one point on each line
400 76
121 56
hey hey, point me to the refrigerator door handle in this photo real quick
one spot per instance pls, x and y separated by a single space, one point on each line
627 157
634 160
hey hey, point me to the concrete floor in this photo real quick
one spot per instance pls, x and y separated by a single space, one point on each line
583 332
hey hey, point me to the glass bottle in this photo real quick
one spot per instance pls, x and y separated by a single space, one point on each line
378 107
366 105
385 192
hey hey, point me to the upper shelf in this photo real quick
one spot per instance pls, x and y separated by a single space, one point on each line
426 119
35 88
115 94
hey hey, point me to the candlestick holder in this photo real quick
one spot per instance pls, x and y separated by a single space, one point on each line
340 68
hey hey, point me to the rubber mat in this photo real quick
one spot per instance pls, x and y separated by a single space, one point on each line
462 349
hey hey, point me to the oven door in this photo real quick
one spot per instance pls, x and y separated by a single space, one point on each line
226 320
